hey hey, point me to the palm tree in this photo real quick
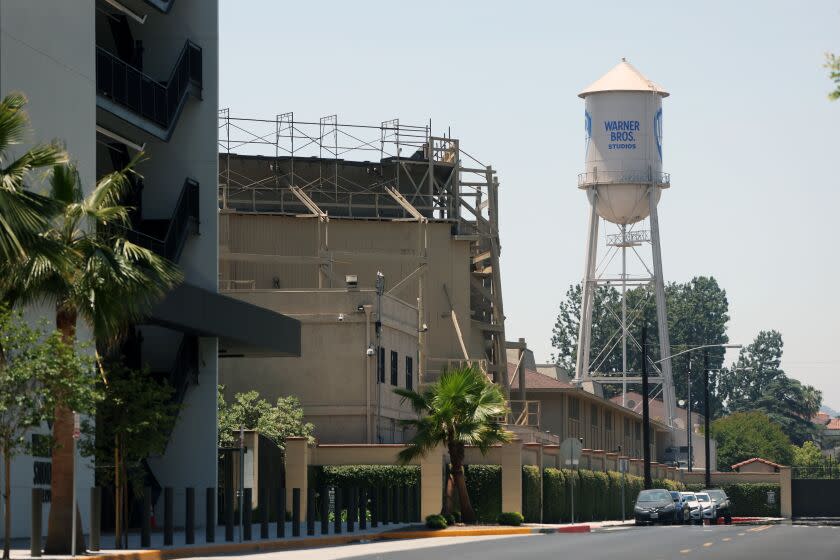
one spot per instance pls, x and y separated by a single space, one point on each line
23 213
462 408
98 276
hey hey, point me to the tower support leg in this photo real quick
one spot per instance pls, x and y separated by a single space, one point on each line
587 298
661 310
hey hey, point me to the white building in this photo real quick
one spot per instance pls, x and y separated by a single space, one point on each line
108 77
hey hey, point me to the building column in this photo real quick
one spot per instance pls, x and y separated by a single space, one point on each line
512 476
431 483
297 470
786 502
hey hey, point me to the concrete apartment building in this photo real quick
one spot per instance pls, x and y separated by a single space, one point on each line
109 78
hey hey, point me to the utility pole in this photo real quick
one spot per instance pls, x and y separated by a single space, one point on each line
645 410
706 412
380 362
688 426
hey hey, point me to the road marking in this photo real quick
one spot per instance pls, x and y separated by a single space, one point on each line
741 534
685 551
708 544
726 539
759 529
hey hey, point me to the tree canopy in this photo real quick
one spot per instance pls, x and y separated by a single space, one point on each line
744 435
252 412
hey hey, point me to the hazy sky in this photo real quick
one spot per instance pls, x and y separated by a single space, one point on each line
750 139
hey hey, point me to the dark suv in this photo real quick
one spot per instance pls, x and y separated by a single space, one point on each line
723 507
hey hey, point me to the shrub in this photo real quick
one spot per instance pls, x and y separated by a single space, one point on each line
531 493
510 518
349 476
435 521
668 484
450 518
748 499
484 484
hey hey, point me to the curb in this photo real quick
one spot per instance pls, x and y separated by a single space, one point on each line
269 545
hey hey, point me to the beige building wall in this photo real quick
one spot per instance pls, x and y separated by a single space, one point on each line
254 250
334 377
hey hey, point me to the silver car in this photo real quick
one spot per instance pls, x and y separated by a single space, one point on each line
707 506
695 511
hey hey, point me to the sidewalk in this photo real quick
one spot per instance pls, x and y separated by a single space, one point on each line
20 547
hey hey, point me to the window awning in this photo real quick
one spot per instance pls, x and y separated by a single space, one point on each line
243 329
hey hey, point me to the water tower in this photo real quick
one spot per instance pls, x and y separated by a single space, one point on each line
623 182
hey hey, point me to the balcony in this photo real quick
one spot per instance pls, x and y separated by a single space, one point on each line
139 99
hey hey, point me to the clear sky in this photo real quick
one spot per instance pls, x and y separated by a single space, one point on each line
750 137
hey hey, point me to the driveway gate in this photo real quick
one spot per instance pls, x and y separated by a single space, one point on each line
816 494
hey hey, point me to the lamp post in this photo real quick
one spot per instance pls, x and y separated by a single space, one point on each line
380 360
708 460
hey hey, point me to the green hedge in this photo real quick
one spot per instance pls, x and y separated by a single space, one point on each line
749 499
484 485
597 495
531 494
349 476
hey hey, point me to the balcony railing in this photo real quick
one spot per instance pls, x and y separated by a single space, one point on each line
159 102
595 178
185 215
523 413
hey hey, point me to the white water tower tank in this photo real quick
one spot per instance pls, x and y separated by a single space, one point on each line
623 144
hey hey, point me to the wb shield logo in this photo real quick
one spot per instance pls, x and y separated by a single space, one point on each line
657 131
588 126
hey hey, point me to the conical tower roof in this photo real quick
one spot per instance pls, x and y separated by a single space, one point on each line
623 77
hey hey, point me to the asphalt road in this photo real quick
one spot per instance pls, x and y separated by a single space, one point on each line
765 542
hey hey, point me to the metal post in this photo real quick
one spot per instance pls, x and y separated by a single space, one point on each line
395 504
362 508
668 396
35 523
73 505
246 520
95 517
587 296
352 510
406 501
706 411
210 520
572 492
325 510
295 512
374 507
337 512
281 513
146 521
384 504
189 518
623 315
229 514
168 522
645 410
241 478
380 361
689 427
310 511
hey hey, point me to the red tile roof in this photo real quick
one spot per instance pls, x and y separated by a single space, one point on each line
821 418
756 460
534 380
834 424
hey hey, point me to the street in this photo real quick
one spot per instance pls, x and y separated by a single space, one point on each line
765 542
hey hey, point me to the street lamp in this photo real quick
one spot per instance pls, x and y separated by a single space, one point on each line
645 406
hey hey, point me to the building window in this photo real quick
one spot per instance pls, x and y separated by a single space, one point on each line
394 366
608 420
409 373
574 408
381 365
593 413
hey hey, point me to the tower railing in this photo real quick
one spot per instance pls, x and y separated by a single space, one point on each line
592 178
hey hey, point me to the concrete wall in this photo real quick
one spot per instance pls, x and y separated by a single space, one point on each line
334 378
55 69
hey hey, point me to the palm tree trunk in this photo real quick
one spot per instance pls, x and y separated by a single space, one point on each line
456 457
7 521
59 526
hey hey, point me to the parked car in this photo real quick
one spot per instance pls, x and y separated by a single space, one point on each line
654 506
706 505
694 508
723 506
682 513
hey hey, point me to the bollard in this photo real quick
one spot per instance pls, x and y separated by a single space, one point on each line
362 509
189 517
264 512
386 504
295 512
247 517
95 518
310 511
325 510
374 508
415 505
281 513
146 522
35 524
168 522
351 509
337 512
406 504
210 520
395 504
229 514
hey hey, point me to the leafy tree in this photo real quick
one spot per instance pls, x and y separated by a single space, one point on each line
24 214
745 435
36 368
462 408
809 460
133 421
249 411
698 312
95 274
832 62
